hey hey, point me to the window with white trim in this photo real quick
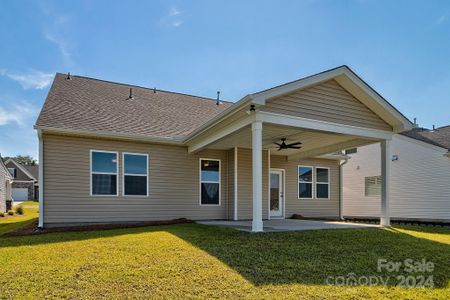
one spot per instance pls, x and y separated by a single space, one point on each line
135 174
13 172
305 182
372 186
322 183
209 182
104 173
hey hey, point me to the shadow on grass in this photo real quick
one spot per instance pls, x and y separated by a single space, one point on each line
308 257
6 227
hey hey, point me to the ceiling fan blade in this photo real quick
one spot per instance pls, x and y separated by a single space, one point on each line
278 144
295 144
279 149
295 147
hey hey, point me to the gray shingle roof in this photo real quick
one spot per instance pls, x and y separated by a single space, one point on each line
438 137
34 170
88 104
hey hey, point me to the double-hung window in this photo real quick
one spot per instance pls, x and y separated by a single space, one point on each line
322 183
104 173
135 174
209 182
305 182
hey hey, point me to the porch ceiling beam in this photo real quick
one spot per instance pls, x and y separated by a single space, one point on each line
330 148
219 133
325 126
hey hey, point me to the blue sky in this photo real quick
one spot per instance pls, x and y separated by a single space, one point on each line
401 48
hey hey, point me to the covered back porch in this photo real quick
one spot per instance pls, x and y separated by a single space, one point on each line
320 115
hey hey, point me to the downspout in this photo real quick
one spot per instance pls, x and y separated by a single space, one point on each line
341 188
41 180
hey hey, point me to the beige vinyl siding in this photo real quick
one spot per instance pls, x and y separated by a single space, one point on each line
173 183
329 102
313 208
420 181
245 188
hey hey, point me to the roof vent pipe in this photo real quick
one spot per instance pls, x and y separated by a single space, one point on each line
154 90
434 128
131 95
415 122
218 98
68 76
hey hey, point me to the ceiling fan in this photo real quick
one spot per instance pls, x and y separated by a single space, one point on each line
284 146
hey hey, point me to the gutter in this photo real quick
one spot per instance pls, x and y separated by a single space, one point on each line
341 187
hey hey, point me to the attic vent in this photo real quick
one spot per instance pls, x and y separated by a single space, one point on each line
130 97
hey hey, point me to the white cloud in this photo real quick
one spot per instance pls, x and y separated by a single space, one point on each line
33 80
19 114
176 23
174 11
173 18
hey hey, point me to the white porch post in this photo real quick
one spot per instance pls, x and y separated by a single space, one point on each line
385 183
257 224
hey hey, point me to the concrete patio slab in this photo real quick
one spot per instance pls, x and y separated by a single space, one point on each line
280 225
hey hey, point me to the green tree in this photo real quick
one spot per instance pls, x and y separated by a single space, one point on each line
27 160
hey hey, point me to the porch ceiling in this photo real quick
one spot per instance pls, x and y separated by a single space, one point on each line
312 140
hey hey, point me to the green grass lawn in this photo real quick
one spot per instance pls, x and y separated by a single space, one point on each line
12 223
197 261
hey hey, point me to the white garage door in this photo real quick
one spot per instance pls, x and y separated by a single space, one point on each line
20 194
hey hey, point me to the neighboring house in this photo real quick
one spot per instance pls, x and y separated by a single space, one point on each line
5 186
25 184
420 177
112 152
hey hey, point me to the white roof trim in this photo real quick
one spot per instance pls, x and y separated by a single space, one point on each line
22 168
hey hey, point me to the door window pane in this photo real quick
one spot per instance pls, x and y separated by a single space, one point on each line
274 192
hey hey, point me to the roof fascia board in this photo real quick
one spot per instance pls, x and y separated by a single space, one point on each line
111 135
319 125
22 168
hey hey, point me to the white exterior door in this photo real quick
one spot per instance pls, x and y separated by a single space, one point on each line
20 194
276 201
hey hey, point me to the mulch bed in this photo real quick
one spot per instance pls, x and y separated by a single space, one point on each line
32 229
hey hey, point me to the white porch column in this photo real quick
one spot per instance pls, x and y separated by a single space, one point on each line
385 182
257 224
